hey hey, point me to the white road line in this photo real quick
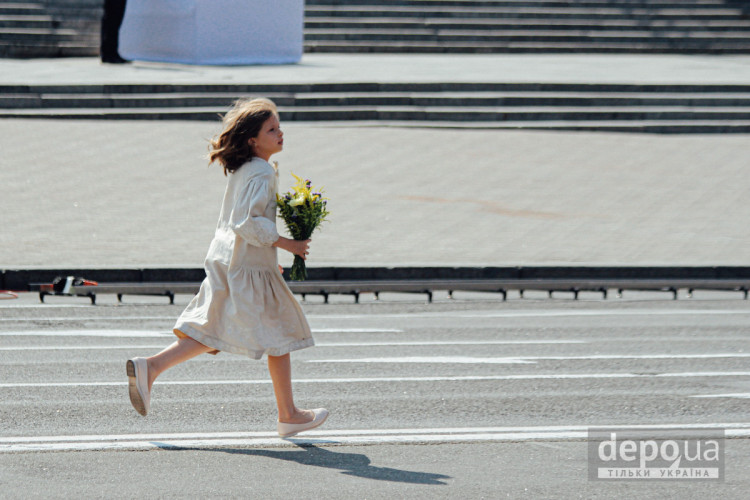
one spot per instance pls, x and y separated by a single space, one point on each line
369 380
44 306
161 333
89 318
642 356
448 342
737 395
416 343
361 432
634 312
333 437
429 359
522 359
81 347
655 337
89 333
357 330
534 314
439 315
271 442
317 344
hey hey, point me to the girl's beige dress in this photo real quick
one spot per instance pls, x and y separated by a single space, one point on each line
244 305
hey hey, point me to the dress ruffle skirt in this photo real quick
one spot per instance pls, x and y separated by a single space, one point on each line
244 306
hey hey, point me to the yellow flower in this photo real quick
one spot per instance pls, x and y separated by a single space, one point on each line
301 185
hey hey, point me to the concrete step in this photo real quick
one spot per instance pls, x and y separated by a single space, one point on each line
634 126
502 99
616 107
82 14
301 89
53 35
696 4
21 9
366 11
324 23
349 46
634 36
76 4
440 4
57 10
526 3
63 49
369 99
36 22
667 39
409 113
664 126
23 23
125 101
464 113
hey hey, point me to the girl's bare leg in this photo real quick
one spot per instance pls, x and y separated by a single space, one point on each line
280 368
182 350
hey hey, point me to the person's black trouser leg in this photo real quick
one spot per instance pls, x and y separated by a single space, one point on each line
114 11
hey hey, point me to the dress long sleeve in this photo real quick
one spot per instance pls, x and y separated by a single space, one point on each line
247 219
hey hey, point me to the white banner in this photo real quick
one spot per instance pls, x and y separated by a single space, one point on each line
221 32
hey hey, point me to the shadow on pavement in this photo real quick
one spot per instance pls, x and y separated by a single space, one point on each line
352 464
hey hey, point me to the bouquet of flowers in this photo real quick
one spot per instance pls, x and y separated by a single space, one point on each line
302 210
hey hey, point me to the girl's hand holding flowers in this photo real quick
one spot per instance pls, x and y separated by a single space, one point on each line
302 210
299 248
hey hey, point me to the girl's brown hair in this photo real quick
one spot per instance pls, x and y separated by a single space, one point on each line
244 121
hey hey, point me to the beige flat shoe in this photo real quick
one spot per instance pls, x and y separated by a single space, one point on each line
289 430
140 396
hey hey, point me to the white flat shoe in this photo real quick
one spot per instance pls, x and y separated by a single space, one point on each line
140 397
289 430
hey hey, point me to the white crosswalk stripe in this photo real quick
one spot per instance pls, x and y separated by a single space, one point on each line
333 437
368 380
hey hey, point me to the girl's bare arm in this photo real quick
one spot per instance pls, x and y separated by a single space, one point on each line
296 247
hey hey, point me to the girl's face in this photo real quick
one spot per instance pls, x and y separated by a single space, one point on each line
270 139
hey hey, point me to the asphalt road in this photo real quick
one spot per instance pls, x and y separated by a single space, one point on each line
470 398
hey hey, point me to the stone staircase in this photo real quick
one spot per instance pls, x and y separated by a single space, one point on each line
604 107
50 28
547 26
54 28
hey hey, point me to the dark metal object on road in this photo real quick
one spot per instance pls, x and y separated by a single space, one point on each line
158 289
358 287
326 288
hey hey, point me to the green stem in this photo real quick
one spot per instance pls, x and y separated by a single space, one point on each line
299 270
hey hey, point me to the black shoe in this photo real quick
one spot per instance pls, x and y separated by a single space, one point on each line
115 59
